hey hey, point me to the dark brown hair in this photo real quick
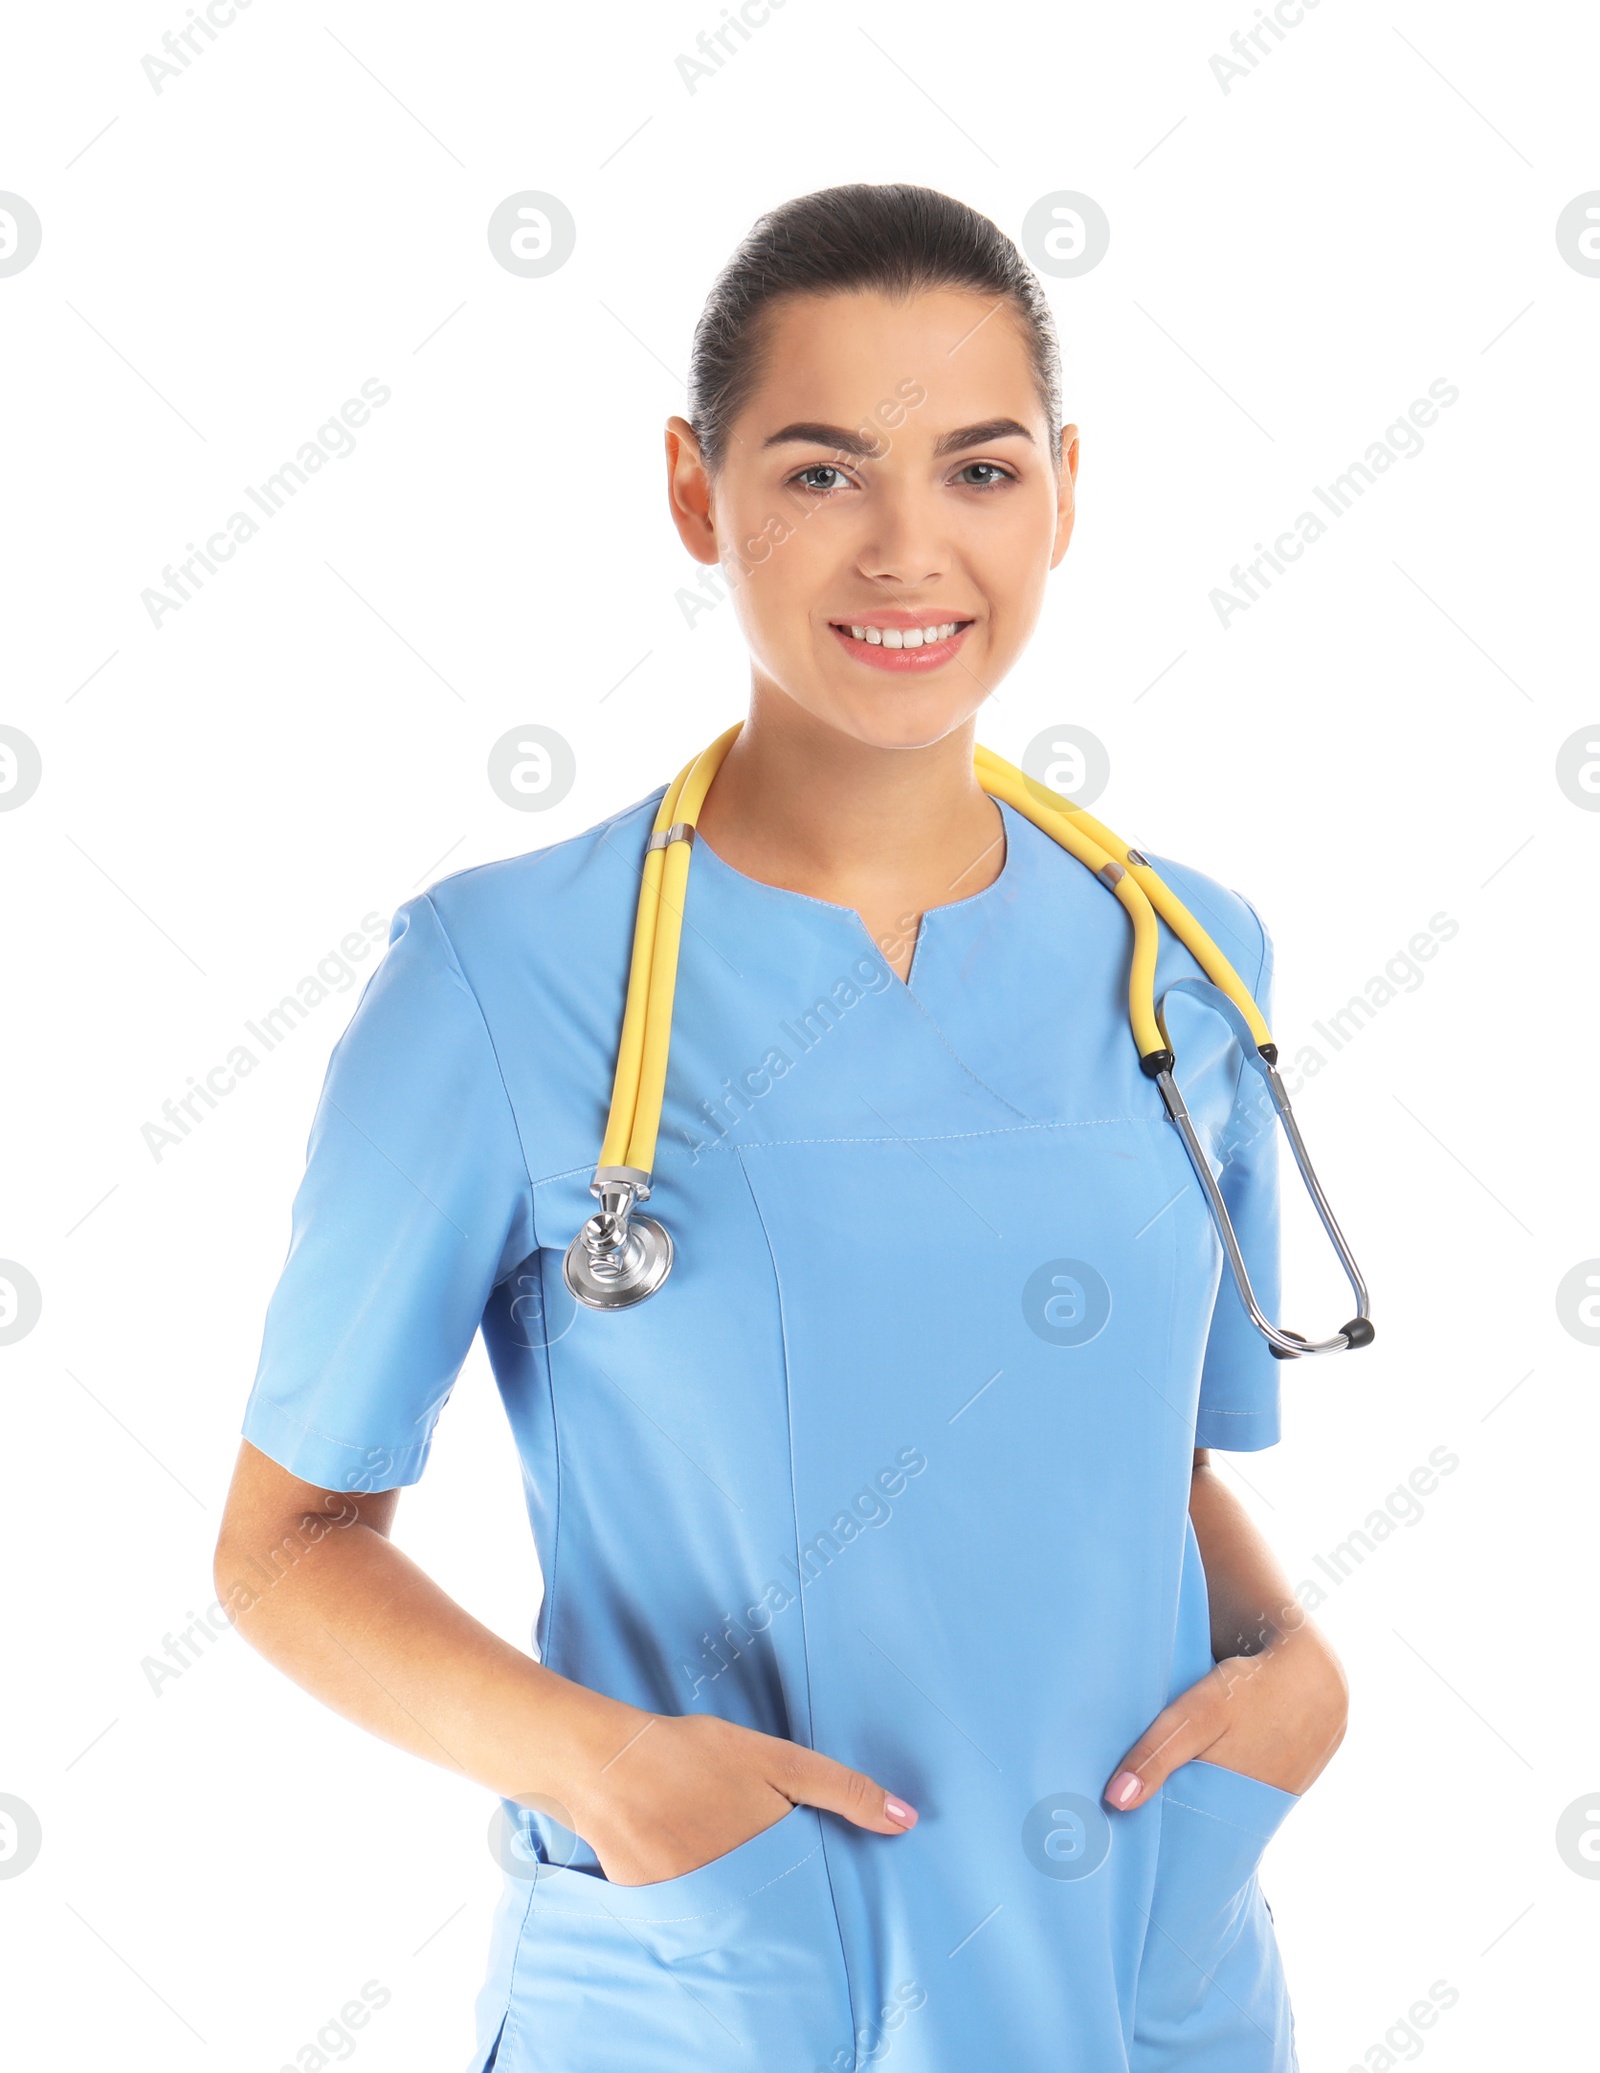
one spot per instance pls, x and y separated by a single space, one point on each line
897 240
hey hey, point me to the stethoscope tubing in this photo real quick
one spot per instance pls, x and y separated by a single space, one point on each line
620 1257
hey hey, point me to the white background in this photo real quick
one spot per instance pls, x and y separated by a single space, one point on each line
1292 262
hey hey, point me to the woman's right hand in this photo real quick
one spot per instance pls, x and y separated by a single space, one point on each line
671 1792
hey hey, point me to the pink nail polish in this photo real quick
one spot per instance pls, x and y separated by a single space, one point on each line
897 1810
1123 1789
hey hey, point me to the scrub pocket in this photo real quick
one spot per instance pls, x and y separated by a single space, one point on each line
1211 1996
736 1967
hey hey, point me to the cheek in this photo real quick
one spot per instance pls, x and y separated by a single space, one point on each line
1007 562
750 518
778 592
1010 554
783 560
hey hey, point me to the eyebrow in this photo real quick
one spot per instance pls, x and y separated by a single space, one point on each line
862 448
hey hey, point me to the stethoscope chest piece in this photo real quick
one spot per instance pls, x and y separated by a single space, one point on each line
618 1258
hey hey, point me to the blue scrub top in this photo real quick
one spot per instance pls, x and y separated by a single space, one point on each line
895 1465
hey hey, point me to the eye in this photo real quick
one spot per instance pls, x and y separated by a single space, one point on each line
983 475
821 468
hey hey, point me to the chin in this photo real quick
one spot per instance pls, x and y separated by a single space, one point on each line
898 718
885 712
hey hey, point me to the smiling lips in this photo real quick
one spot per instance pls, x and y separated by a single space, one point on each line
901 641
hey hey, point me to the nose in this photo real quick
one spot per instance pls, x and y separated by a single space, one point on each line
905 547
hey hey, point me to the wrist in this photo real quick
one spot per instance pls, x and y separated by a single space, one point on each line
584 1733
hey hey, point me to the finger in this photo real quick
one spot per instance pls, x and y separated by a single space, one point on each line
1179 1732
813 1780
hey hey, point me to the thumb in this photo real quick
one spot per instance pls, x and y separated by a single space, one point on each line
813 1780
1180 1731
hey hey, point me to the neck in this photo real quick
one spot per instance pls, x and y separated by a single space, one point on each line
888 831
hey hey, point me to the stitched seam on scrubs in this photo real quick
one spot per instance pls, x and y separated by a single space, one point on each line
1202 1408
1171 1278
976 1078
1217 929
787 892
508 2026
549 1649
805 1636
315 1432
788 1421
533 859
767 1144
705 1915
1001 885
1255 993
533 1232
1222 1821
1188 1524
1218 923
1020 832
833 907
488 1034
1266 940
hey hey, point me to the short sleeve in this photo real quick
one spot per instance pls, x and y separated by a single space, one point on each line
415 1201
1239 1380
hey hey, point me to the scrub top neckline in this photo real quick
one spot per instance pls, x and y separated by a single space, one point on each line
1004 879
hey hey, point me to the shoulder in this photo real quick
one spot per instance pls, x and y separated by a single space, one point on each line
554 900
1227 917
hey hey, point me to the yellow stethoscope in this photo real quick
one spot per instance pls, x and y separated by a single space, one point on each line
620 1257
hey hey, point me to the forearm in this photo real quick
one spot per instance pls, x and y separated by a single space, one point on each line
1274 1703
1253 1604
336 1606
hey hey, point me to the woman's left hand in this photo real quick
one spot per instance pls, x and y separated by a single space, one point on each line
1278 1716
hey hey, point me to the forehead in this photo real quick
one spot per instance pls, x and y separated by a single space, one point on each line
835 358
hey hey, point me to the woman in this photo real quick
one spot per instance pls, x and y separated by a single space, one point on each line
908 1684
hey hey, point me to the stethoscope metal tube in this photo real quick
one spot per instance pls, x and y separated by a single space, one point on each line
1263 1060
620 1257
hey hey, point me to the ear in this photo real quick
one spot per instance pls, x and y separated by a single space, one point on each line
689 491
1066 493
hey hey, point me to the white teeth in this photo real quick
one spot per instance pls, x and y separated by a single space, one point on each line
905 637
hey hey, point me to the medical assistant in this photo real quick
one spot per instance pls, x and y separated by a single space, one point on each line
895 1464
